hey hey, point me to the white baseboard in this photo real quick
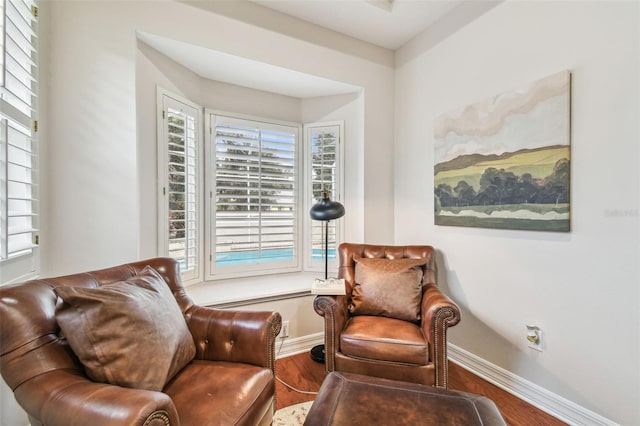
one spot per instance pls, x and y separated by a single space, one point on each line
292 346
535 395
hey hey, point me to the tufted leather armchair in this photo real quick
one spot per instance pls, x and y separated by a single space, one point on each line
388 347
231 380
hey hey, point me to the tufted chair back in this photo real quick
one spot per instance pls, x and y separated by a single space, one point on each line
348 253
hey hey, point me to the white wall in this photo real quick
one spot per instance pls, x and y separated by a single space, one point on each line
580 287
90 215
303 320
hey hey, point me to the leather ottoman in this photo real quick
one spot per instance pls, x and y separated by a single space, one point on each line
350 399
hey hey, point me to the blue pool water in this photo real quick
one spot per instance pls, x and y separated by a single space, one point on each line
275 255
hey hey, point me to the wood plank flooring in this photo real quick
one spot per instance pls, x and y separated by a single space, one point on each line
301 372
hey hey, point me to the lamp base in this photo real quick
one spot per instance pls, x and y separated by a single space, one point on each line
317 353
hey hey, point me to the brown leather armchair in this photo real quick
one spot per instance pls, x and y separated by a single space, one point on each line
230 381
380 345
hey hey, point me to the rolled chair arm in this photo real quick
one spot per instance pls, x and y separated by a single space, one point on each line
65 398
234 336
438 313
334 311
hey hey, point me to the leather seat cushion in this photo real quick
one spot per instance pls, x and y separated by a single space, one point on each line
223 393
384 339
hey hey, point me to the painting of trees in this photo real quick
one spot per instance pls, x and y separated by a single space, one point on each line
500 187
505 162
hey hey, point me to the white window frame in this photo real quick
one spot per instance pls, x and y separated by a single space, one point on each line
338 195
165 100
23 263
245 270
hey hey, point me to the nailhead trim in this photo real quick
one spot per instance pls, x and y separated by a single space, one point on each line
158 415
441 323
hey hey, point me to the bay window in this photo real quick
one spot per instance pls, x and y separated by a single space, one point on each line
235 202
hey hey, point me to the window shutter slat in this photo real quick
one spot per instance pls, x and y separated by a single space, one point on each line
182 188
255 192
19 59
19 218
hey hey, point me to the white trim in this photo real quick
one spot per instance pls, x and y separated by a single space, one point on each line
308 264
533 394
297 345
26 277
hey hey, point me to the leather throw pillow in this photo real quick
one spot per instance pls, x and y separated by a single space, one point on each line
388 287
130 333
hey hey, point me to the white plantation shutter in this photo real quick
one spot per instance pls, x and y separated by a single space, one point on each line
254 207
180 186
323 174
20 190
18 148
20 53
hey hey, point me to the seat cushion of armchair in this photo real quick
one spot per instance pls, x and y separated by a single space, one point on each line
208 393
384 339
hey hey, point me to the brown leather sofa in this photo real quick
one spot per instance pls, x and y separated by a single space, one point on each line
385 344
228 378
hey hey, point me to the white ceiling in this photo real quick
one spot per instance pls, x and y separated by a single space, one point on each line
221 66
386 23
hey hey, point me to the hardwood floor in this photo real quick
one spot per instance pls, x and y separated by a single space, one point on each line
301 372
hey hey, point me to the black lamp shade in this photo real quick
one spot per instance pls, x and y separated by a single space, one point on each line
326 209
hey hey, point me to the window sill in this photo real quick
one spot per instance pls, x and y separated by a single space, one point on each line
241 291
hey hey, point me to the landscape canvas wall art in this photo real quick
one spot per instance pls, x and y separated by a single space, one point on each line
504 162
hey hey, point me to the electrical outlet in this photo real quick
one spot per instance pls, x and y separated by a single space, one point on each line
284 331
534 337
